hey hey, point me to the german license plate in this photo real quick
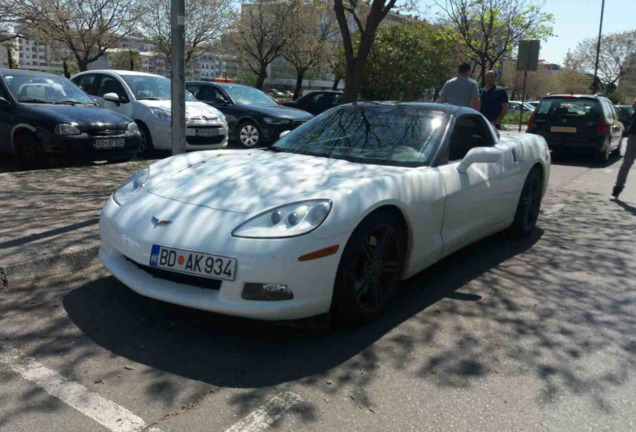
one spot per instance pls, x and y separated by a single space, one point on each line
101 144
207 132
563 129
193 263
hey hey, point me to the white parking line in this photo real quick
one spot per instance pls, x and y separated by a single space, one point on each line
267 414
553 209
92 405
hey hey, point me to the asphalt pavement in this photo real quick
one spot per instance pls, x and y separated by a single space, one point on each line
530 335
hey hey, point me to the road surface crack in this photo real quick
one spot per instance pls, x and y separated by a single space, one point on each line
183 409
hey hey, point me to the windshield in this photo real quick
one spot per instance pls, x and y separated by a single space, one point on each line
45 89
148 87
400 135
248 95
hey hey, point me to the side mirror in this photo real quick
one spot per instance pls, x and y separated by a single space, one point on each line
478 155
5 104
112 97
284 133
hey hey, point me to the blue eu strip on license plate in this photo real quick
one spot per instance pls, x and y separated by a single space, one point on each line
154 255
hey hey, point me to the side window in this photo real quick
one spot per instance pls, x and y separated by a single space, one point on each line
606 110
194 89
87 83
2 92
469 132
214 95
109 84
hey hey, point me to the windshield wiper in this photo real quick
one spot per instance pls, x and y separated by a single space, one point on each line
68 102
34 100
275 149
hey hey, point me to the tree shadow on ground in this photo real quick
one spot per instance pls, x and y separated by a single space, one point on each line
552 308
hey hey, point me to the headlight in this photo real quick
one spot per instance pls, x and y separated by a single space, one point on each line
131 186
132 127
276 121
161 114
286 221
66 129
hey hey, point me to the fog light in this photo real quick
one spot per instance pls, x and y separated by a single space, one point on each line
266 292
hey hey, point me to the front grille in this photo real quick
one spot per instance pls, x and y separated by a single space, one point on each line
181 278
194 140
107 132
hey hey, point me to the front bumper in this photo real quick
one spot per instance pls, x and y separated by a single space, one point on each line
161 134
83 146
258 261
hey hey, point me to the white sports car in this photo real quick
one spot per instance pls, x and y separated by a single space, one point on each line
329 219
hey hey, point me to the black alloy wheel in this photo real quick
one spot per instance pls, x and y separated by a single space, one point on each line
370 269
249 135
529 204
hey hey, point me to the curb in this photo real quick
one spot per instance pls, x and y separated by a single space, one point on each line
49 266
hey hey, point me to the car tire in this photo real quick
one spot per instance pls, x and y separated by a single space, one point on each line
363 290
248 134
28 151
617 151
146 148
529 204
603 156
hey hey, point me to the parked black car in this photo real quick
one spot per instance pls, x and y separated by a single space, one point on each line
571 122
253 118
625 115
43 114
317 102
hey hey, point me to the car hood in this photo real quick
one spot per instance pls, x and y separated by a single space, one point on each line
194 109
86 117
279 111
254 181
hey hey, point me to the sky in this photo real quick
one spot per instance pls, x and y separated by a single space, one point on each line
576 20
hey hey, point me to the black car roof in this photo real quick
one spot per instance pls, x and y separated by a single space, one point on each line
575 96
25 72
220 84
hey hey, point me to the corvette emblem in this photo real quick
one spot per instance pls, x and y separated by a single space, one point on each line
156 222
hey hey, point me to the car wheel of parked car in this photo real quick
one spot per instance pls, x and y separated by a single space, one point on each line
249 135
145 146
617 151
603 156
370 269
29 152
529 205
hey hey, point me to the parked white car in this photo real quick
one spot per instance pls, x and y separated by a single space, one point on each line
146 99
330 218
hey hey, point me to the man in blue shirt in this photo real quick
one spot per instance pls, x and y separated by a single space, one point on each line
628 159
494 100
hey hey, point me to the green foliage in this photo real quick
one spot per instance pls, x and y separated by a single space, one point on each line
513 118
121 60
406 60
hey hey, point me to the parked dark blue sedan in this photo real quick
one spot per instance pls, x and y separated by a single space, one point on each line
43 114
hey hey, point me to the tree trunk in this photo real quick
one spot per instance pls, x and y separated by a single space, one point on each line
436 96
82 65
132 60
336 81
9 57
352 85
67 73
300 73
262 75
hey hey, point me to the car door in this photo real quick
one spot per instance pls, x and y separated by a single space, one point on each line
478 202
5 120
110 84
616 127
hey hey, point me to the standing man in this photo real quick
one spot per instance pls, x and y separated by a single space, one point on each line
462 90
628 159
494 100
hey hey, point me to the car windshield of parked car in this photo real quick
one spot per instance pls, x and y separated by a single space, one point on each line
45 89
248 96
148 87
403 135
570 107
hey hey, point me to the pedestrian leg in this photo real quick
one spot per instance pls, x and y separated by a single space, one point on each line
628 161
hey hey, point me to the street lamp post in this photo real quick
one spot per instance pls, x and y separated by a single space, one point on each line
177 93
598 51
